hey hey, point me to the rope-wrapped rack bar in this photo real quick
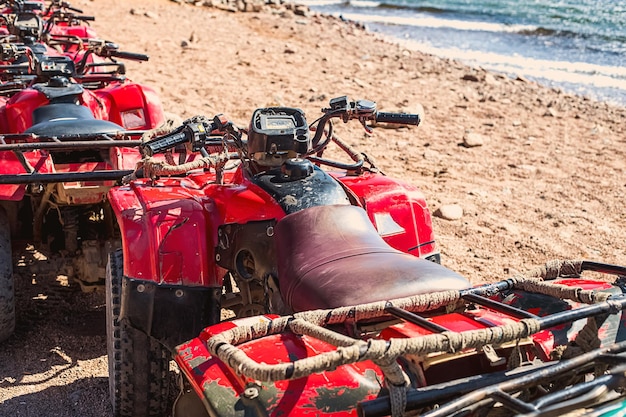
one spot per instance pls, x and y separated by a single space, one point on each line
349 350
373 349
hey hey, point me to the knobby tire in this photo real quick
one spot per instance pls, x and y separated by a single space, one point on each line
7 287
138 364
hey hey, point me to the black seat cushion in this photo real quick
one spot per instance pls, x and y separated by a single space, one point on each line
60 119
332 256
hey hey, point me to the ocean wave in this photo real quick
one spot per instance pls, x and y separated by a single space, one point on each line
364 3
435 18
601 76
438 23
431 22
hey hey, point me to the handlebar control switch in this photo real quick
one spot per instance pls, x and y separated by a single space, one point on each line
339 103
197 134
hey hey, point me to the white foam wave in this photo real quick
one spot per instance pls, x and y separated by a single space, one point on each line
599 76
437 23
364 3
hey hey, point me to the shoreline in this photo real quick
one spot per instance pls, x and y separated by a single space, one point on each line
589 77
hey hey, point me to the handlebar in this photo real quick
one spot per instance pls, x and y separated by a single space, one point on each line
400 118
107 49
72 8
129 55
366 110
192 132
64 5
362 110
196 133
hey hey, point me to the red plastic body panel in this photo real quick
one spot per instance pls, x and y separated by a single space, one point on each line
176 222
221 388
80 31
18 111
388 201
312 396
194 207
131 105
9 164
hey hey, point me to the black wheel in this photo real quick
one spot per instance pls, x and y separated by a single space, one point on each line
138 364
7 291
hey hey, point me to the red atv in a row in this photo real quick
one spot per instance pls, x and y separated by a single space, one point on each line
67 125
329 280
57 24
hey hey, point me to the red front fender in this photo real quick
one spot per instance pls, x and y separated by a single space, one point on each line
168 234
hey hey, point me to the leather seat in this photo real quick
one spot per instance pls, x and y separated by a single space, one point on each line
60 119
332 256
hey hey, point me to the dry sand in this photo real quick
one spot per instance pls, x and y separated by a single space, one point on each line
538 174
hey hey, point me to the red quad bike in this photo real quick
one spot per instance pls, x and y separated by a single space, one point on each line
336 308
57 23
62 34
198 233
17 6
63 144
60 31
66 22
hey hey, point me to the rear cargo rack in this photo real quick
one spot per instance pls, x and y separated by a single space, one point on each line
24 142
384 353
485 390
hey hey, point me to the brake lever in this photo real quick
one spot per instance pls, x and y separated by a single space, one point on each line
368 129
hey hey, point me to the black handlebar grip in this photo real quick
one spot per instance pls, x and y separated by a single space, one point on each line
130 55
72 8
86 18
162 143
402 118
193 133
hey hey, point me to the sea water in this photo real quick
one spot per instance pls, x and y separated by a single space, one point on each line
578 46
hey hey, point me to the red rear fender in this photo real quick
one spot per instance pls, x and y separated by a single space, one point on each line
132 106
397 210
19 110
333 393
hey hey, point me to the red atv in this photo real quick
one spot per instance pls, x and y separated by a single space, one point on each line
198 233
345 313
58 24
65 141
18 6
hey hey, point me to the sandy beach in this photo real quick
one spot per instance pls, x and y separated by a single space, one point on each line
538 174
